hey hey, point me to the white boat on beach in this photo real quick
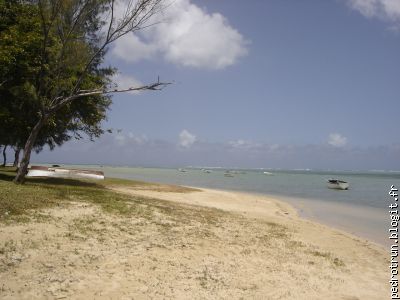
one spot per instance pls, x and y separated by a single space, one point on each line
338 184
59 172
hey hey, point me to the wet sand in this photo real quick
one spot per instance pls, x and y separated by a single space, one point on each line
366 222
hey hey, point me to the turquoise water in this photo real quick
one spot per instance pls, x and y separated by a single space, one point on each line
366 189
362 210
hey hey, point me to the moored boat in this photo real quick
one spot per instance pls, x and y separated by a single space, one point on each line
42 171
228 174
338 184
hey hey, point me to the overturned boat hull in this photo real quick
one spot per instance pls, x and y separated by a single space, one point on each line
39 171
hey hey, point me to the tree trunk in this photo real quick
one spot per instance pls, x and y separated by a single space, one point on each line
16 157
4 156
23 168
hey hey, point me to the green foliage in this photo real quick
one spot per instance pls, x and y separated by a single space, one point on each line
37 193
39 62
20 40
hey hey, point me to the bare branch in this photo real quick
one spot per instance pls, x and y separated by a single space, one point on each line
111 19
157 86
129 23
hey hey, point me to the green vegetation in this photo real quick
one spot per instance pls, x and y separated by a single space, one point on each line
25 203
18 200
35 64
40 193
54 84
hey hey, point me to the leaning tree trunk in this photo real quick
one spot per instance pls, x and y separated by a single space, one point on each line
4 156
23 168
16 157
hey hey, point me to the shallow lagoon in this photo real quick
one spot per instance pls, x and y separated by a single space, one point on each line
361 210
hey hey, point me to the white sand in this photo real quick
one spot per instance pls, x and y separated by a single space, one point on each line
200 245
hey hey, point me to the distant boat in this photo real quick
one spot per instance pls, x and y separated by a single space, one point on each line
228 174
206 171
267 173
338 184
41 171
182 170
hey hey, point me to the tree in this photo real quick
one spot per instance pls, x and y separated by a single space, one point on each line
16 157
20 46
4 155
73 43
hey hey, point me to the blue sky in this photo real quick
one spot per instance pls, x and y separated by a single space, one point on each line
289 84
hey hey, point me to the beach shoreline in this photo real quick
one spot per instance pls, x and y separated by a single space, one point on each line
186 243
301 207
355 211
319 211
352 219
288 204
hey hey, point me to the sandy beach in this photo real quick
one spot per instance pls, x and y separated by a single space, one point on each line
190 150
186 244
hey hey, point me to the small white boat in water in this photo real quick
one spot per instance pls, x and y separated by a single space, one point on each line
58 172
181 170
338 184
268 173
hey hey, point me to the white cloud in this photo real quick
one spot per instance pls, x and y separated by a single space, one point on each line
243 144
135 149
131 49
137 140
238 143
388 10
188 36
186 139
337 140
120 139
125 81
129 140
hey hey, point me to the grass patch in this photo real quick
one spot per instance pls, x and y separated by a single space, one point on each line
337 262
27 201
320 254
273 231
292 244
17 200
209 280
9 246
20 202
85 225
